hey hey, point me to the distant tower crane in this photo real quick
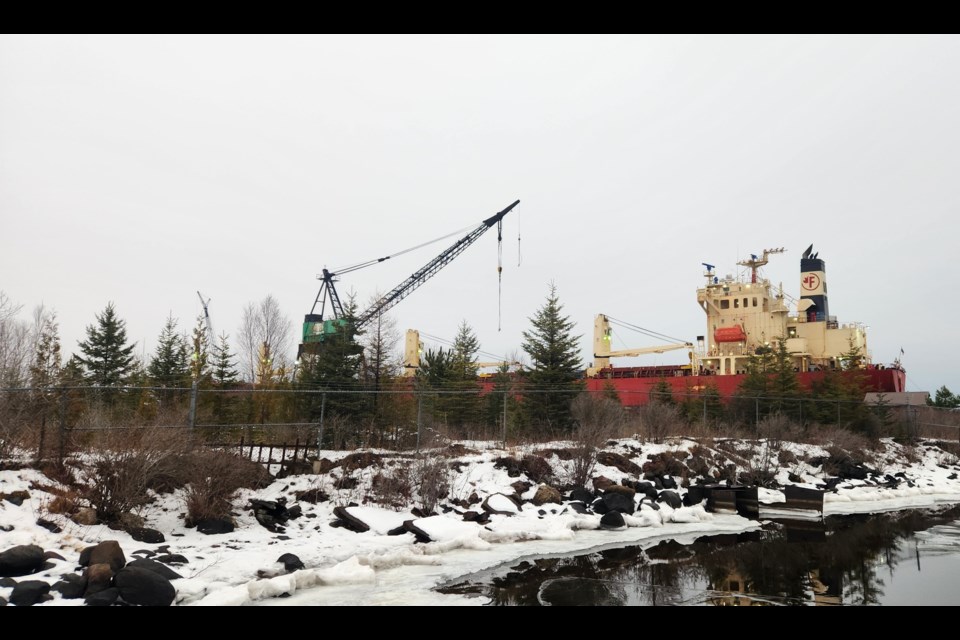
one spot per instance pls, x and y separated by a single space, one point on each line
316 326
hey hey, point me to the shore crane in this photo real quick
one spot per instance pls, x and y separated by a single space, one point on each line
317 326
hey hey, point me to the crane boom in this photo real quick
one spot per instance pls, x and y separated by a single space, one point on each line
315 327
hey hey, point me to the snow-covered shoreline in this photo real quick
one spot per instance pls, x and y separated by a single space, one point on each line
372 568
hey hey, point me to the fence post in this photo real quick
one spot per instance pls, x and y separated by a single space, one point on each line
704 412
838 413
193 404
756 403
323 407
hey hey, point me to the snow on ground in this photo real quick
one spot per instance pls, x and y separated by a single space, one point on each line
371 568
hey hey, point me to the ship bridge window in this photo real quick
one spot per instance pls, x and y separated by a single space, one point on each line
746 302
736 303
724 304
754 302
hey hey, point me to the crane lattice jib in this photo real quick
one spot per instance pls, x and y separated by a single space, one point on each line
412 283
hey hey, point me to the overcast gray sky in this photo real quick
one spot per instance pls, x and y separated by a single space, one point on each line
142 169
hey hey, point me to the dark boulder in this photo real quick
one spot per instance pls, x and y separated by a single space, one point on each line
599 506
313 496
546 494
6 583
421 535
290 562
602 483
108 552
21 560
52 527
98 577
521 486
612 520
29 592
214 526
15 497
350 521
668 482
694 495
144 587
171 558
578 507
582 494
272 514
71 586
672 498
144 534
485 505
156 567
103 598
3 601
53 555
620 500
294 512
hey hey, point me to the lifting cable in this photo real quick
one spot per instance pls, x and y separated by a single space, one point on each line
499 273
647 332
368 263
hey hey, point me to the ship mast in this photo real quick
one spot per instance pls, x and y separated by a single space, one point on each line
754 263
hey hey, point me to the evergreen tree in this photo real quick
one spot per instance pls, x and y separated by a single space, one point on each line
944 398
336 366
107 358
170 365
200 356
662 392
464 353
555 377
223 366
785 384
46 368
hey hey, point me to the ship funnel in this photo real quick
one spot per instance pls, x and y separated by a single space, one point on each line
813 287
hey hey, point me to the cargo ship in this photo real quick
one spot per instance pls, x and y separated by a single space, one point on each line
744 316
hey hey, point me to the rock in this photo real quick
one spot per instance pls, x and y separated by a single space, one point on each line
6 528
351 522
71 586
693 496
651 493
611 459
103 598
53 555
52 527
294 512
6 583
144 534
108 552
214 526
21 560
599 506
521 487
290 562
578 506
546 494
668 482
583 495
652 505
171 558
147 553
612 520
15 498
952 476
478 517
502 507
672 498
421 535
792 477
29 592
602 483
156 567
85 516
3 601
144 587
621 501
98 577
313 496
271 514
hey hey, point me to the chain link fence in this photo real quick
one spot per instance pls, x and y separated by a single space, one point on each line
54 421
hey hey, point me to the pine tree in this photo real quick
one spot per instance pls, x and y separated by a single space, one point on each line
200 356
336 365
662 392
46 368
170 365
464 353
555 377
945 398
107 358
223 367
785 385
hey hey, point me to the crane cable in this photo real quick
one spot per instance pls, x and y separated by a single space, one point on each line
499 273
368 263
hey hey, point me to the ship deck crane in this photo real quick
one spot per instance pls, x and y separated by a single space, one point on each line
602 352
413 350
316 326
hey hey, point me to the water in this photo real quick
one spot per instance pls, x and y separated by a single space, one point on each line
902 558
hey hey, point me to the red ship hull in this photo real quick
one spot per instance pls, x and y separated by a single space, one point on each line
634 384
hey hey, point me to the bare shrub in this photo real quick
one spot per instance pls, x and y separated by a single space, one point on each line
213 480
393 487
597 420
125 466
777 428
430 476
660 419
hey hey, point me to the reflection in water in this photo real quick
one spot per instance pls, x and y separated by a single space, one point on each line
841 560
